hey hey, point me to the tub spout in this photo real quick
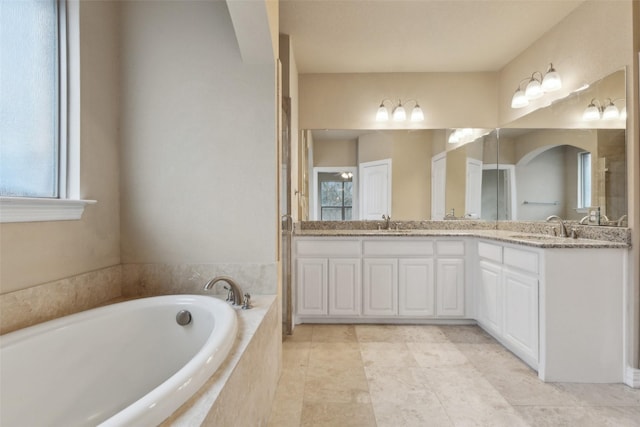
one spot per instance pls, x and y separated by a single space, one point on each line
234 292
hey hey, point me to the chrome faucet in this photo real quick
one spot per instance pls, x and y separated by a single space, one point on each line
563 228
235 294
387 218
621 221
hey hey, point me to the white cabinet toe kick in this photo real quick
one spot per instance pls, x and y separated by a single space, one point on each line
559 309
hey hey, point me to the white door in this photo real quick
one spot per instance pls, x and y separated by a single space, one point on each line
415 287
450 287
489 303
438 185
375 189
344 286
521 313
380 287
311 282
473 194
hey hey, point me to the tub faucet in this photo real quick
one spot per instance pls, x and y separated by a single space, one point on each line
621 221
235 293
563 228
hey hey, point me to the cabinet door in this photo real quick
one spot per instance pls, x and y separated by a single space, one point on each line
380 287
489 302
450 287
521 313
311 284
415 287
345 286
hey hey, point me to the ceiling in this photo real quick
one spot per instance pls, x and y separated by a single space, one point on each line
364 36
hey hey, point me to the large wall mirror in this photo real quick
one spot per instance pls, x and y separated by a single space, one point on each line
549 162
561 160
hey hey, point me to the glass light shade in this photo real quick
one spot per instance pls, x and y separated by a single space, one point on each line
623 113
454 137
551 80
611 112
416 114
534 89
519 99
382 115
399 115
591 113
467 132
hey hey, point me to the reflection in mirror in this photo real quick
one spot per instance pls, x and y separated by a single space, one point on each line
554 161
408 174
561 172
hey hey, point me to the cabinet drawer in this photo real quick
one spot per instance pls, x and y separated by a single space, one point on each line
328 248
450 248
523 260
489 251
398 248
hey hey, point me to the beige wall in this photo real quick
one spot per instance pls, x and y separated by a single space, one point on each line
410 154
198 151
350 101
335 153
39 252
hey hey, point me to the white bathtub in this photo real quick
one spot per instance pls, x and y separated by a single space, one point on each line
127 364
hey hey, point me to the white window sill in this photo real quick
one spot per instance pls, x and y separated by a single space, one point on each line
27 209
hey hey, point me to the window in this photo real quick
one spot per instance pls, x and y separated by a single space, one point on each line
30 101
336 196
39 71
584 179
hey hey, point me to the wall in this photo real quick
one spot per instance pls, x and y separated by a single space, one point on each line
39 252
335 153
350 101
198 139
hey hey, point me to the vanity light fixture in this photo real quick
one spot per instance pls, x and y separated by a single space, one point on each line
346 175
605 111
460 135
398 113
537 85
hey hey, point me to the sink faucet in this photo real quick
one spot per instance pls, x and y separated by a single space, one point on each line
621 220
235 293
563 228
387 218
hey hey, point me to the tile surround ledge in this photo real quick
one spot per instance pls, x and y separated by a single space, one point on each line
58 298
529 233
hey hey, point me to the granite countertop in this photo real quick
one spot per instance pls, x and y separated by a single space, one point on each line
537 240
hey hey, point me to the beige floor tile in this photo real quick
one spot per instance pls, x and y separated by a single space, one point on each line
549 416
386 354
335 354
295 354
334 333
301 333
400 333
389 414
336 384
467 334
602 394
434 355
337 415
620 416
397 385
492 358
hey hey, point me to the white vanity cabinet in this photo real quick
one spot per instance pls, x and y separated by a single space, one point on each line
507 300
328 277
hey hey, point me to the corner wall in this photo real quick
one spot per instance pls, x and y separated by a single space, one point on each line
198 140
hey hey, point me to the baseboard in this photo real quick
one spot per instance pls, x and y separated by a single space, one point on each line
632 377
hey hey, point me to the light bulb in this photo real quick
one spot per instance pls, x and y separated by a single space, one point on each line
623 113
467 132
416 114
611 112
399 115
519 99
591 113
454 137
534 89
551 81
382 115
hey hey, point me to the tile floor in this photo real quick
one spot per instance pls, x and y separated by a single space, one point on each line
410 375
